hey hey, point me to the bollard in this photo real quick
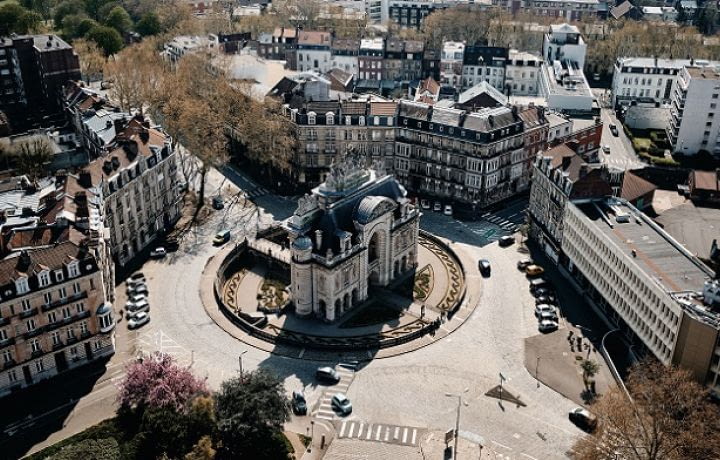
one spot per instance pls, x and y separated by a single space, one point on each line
322 442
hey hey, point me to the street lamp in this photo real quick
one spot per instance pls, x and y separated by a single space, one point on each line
240 362
457 419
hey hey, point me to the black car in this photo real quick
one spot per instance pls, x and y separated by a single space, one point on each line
547 298
506 240
543 292
327 374
217 202
613 129
484 267
171 244
298 403
583 419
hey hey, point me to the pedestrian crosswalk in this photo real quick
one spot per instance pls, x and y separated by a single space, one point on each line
377 432
324 409
256 192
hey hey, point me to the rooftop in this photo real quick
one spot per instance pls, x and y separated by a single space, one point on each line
649 62
372 44
565 78
654 251
703 73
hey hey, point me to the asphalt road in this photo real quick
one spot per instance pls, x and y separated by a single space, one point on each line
622 155
407 390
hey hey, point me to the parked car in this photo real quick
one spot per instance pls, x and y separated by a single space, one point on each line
142 308
138 320
327 374
221 237
158 253
171 244
341 403
523 264
548 298
544 308
548 316
606 149
298 403
137 276
506 240
437 207
484 267
135 289
136 298
538 283
425 204
534 270
583 419
547 326
544 291
217 202
613 129
448 211
134 306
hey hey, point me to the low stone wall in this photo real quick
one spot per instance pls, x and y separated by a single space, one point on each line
349 343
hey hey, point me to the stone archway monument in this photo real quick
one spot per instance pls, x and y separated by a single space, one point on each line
355 227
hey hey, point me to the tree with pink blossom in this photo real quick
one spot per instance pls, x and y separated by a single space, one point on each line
157 381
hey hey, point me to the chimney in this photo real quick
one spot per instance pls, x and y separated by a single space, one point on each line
115 162
318 238
119 125
85 179
24 262
144 136
108 124
107 167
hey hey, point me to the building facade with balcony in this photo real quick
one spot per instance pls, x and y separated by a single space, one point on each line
694 114
355 232
54 312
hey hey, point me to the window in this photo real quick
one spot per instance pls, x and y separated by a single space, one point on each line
63 292
83 327
70 333
35 345
73 352
76 288
330 118
66 312
73 269
52 317
25 305
311 118
12 376
39 365
44 278
3 334
80 307
30 325
55 336
7 356
376 121
47 297
361 121
59 275
21 285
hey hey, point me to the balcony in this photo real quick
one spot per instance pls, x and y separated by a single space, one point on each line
36 353
4 321
33 333
71 340
7 342
28 313
8 364
59 303
58 345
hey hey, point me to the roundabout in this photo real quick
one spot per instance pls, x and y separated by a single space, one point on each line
251 301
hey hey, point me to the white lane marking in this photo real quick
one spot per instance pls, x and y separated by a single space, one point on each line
405 433
342 429
387 434
369 433
377 433
352 429
501 445
414 435
397 432
360 431
528 456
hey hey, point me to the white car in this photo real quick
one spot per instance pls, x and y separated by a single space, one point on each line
547 326
548 316
606 148
448 210
138 320
425 204
437 207
141 309
544 308
158 253
136 289
341 403
134 298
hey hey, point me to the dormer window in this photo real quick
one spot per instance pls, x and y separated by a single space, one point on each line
21 285
59 275
73 269
330 118
311 118
43 278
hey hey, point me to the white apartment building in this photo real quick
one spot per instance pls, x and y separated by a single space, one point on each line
137 184
313 51
694 113
522 73
647 79
646 283
484 64
451 63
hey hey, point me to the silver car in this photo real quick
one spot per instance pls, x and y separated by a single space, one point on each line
544 308
547 326
138 320
341 403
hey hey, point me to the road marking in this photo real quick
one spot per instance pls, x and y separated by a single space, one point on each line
352 429
369 433
414 435
360 431
405 433
501 445
528 456
302 353
342 429
397 432
377 433
387 434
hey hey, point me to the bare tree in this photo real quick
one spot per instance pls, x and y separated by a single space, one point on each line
669 418
91 57
32 157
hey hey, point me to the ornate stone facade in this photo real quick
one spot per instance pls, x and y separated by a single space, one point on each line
356 230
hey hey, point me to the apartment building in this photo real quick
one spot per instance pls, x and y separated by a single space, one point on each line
475 159
451 64
403 59
54 312
484 64
568 10
137 184
694 115
33 71
344 55
522 73
371 58
647 284
648 80
313 51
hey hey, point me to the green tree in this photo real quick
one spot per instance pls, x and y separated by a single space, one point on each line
107 38
15 18
95 449
119 19
251 411
590 368
92 8
707 18
203 450
149 24
67 8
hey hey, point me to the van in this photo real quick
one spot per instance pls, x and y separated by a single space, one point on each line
221 237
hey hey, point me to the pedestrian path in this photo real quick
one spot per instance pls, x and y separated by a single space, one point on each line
378 432
324 409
